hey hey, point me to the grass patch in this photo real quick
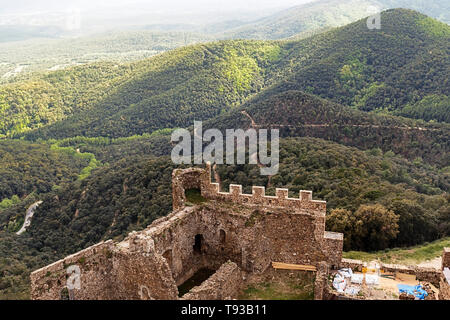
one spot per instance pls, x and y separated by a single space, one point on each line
410 255
194 196
300 287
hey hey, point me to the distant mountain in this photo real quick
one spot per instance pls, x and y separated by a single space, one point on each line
335 97
375 70
19 59
11 33
404 65
324 14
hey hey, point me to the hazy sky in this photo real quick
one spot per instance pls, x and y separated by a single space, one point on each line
93 15
29 6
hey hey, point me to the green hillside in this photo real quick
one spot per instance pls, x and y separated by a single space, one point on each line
323 14
363 119
375 70
390 71
298 114
168 90
116 46
30 167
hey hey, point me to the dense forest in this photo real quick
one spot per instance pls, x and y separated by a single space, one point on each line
19 59
134 190
363 119
403 63
30 167
297 113
402 69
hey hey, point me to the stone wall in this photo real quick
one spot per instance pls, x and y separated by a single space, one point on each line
446 258
334 243
184 179
444 288
304 216
196 178
225 284
320 283
95 266
250 230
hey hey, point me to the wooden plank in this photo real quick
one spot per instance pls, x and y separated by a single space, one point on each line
289 266
298 267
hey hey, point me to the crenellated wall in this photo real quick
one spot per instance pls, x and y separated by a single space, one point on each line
249 230
201 179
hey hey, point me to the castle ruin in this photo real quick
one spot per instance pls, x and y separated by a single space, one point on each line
235 234
231 232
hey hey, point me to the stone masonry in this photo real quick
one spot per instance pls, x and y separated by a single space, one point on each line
231 232
444 286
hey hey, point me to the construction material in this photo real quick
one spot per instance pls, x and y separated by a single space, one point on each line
418 291
357 278
287 266
339 283
372 279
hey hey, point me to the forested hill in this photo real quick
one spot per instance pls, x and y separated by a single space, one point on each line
401 69
27 168
168 90
377 70
336 97
324 14
298 114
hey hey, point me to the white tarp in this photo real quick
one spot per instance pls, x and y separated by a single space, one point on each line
372 279
339 283
346 272
357 278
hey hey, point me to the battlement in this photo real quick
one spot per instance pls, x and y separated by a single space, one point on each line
258 197
201 179
251 231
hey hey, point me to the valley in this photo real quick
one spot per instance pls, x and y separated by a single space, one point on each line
363 118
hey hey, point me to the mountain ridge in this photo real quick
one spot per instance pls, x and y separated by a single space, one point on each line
383 71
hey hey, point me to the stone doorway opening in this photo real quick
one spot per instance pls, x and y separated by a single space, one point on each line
198 243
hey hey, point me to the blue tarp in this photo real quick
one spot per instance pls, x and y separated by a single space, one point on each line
416 291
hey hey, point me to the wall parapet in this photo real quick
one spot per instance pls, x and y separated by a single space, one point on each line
258 197
87 270
197 178
72 259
